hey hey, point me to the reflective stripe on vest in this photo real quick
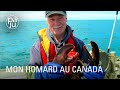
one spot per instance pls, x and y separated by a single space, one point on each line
47 49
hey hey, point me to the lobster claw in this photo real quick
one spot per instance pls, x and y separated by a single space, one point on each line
93 58
61 56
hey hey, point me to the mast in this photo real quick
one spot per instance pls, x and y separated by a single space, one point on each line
112 31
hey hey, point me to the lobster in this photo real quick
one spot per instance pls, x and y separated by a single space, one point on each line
67 55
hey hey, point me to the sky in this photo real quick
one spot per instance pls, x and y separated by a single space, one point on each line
71 15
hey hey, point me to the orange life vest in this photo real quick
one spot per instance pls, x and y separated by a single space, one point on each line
49 54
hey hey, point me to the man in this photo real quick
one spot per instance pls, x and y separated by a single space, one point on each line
50 41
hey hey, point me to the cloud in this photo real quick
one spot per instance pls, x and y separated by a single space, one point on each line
24 15
72 15
91 15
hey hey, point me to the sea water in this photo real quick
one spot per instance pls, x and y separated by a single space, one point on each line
15 44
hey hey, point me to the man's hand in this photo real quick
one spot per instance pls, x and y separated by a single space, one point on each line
63 57
50 75
94 75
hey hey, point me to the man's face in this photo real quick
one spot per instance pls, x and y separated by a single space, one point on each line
57 23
